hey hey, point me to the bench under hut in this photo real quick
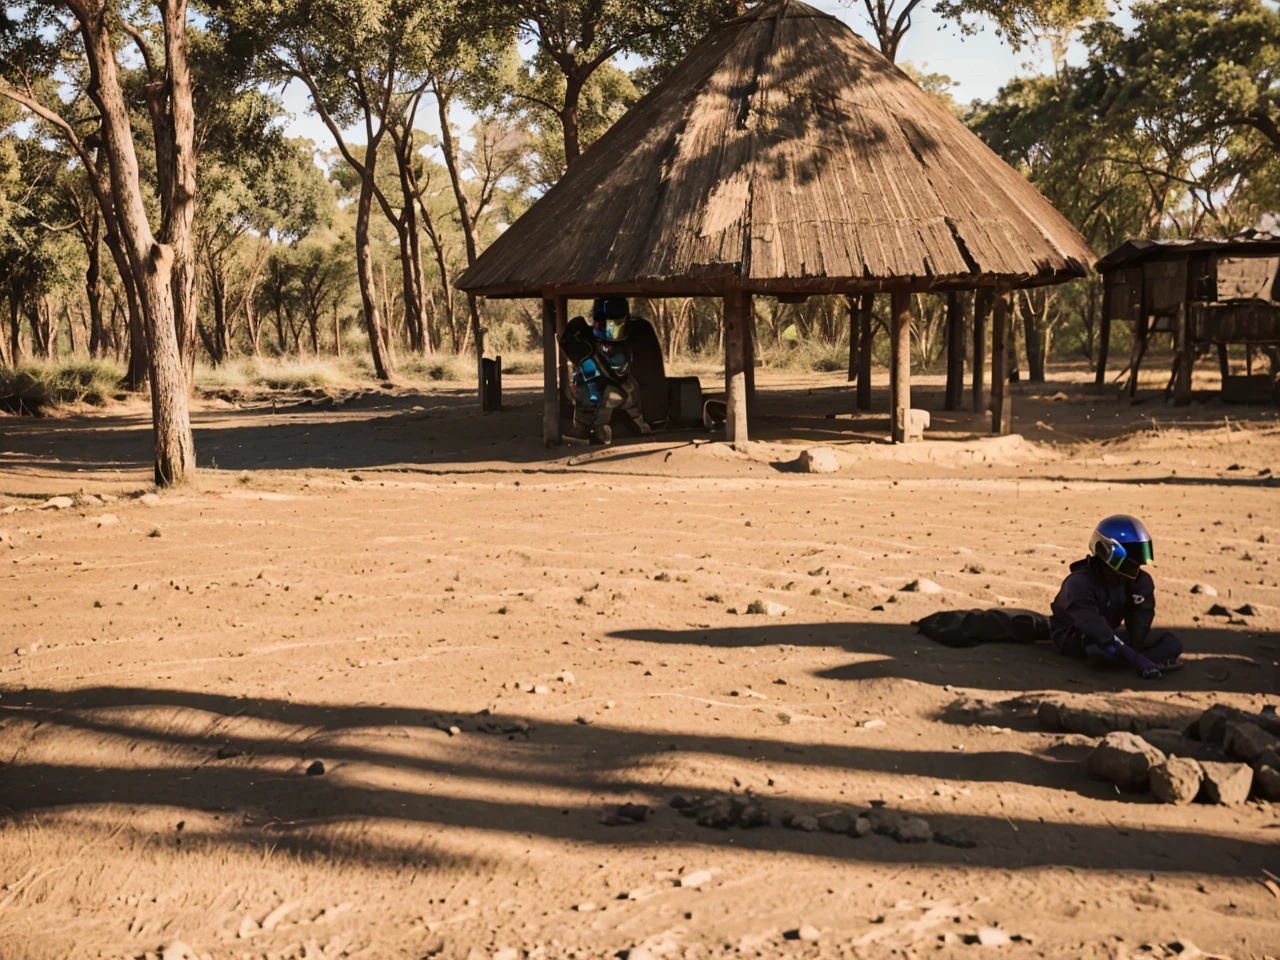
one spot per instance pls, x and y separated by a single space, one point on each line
787 157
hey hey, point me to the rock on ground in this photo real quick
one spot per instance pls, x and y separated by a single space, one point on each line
1173 744
922 586
913 830
1204 589
1266 783
1226 783
1248 741
1176 781
1124 759
818 460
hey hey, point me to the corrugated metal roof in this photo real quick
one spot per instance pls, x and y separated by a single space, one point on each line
784 154
1251 242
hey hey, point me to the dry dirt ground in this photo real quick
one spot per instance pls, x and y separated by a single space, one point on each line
489 646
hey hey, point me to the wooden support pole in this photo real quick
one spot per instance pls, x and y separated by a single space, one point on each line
999 358
852 302
562 321
900 365
1224 363
1104 333
550 375
865 344
749 356
737 306
955 353
1135 356
1186 359
981 306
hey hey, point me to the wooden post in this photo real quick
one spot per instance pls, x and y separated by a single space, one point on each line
737 306
999 357
981 305
1224 363
749 353
865 344
1139 348
550 375
900 365
562 321
1104 333
1186 359
955 353
852 302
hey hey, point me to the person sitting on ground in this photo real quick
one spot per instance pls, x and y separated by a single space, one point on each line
602 377
1105 608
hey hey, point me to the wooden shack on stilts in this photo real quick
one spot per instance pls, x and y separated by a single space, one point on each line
784 156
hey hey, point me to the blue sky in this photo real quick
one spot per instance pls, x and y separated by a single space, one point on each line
979 63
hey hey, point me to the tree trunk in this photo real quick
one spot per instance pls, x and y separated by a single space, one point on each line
15 325
179 210
1032 339
92 287
151 262
569 117
450 151
378 346
5 360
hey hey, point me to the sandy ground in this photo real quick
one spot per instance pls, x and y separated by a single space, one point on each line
346 582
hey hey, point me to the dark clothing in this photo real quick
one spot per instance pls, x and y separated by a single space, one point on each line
1095 605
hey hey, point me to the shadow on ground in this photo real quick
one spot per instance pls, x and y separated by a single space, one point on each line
206 752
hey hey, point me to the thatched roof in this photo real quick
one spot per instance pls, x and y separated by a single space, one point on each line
787 155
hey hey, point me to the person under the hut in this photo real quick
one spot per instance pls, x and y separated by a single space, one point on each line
1105 608
602 377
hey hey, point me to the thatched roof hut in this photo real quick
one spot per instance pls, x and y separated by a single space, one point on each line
783 156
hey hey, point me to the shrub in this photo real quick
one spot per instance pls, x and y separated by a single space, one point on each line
36 387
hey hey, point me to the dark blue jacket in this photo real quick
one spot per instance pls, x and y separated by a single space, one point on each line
1092 604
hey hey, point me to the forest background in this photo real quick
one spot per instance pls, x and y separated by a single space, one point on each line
143 140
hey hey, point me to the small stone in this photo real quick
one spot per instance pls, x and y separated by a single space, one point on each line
540 689
769 608
922 586
695 879
1268 758
150 499
57 503
1124 759
716 813
1049 716
248 928
1226 783
749 814
803 822
805 932
818 460
566 677
1176 781
635 812
1214 721
454 731
1248 741
993 937
316 769
861 827
177 950
835 821
1204 589
585 908
872 724
1266 783
913 830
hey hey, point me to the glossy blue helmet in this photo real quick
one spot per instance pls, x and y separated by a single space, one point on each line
1122 543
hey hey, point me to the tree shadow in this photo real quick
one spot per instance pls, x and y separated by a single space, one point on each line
1218 660
225 755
